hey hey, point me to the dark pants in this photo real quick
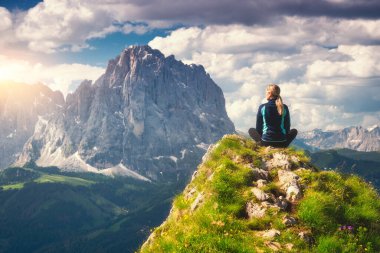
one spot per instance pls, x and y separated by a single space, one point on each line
289 138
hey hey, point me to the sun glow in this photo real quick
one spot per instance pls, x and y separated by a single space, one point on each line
58 77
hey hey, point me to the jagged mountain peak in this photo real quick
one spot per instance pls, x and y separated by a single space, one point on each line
138 53
147 114
135 61
246 198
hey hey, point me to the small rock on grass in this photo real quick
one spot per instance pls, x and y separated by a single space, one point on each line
197 202
275 246
260 194
288 220
261 183
271 233
255 210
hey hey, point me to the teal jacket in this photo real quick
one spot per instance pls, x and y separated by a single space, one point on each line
271 126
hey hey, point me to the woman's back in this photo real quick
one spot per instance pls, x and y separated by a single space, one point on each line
270 124
273 121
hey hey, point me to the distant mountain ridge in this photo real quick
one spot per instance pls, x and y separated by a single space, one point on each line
148 116
21 106
356 138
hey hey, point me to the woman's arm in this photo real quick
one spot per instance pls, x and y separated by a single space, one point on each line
287 119
259 121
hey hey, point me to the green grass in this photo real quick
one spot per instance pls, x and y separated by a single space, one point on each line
217 225
271 187
15 178
225 180
13 186
75 181
333 200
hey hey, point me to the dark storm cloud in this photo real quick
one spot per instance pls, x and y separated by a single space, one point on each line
367 9
246 12
254 11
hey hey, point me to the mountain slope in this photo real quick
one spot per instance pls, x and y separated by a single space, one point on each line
246 198
148 114
21 106
356 138
45 210
364 164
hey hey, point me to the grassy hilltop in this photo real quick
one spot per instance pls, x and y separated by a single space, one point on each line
246 198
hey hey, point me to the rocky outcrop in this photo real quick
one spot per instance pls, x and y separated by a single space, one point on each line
294 209
288 181
21 106
148 113
275 190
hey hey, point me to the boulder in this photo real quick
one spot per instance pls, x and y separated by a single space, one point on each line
260 174
197 202
190 193
293 193
261 183
282 203
260 195
255 210
287 178
271 233
279 160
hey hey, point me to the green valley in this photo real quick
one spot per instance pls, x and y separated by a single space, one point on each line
45 210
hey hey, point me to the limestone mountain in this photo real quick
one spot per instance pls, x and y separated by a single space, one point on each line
148 116
356 138
21 106
247 198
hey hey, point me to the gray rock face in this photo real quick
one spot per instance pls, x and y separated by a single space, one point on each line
21 106
148 114
357 138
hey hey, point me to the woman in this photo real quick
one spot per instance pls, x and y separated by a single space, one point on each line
273 121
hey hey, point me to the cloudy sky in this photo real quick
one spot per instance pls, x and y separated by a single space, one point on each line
324 54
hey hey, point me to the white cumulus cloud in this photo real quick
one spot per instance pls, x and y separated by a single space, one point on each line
5 19
52 25
328 69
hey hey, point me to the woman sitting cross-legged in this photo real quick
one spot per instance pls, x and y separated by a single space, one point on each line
273 121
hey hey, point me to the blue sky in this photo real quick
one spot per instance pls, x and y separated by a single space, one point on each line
102 49
324 54
21 4
106 48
